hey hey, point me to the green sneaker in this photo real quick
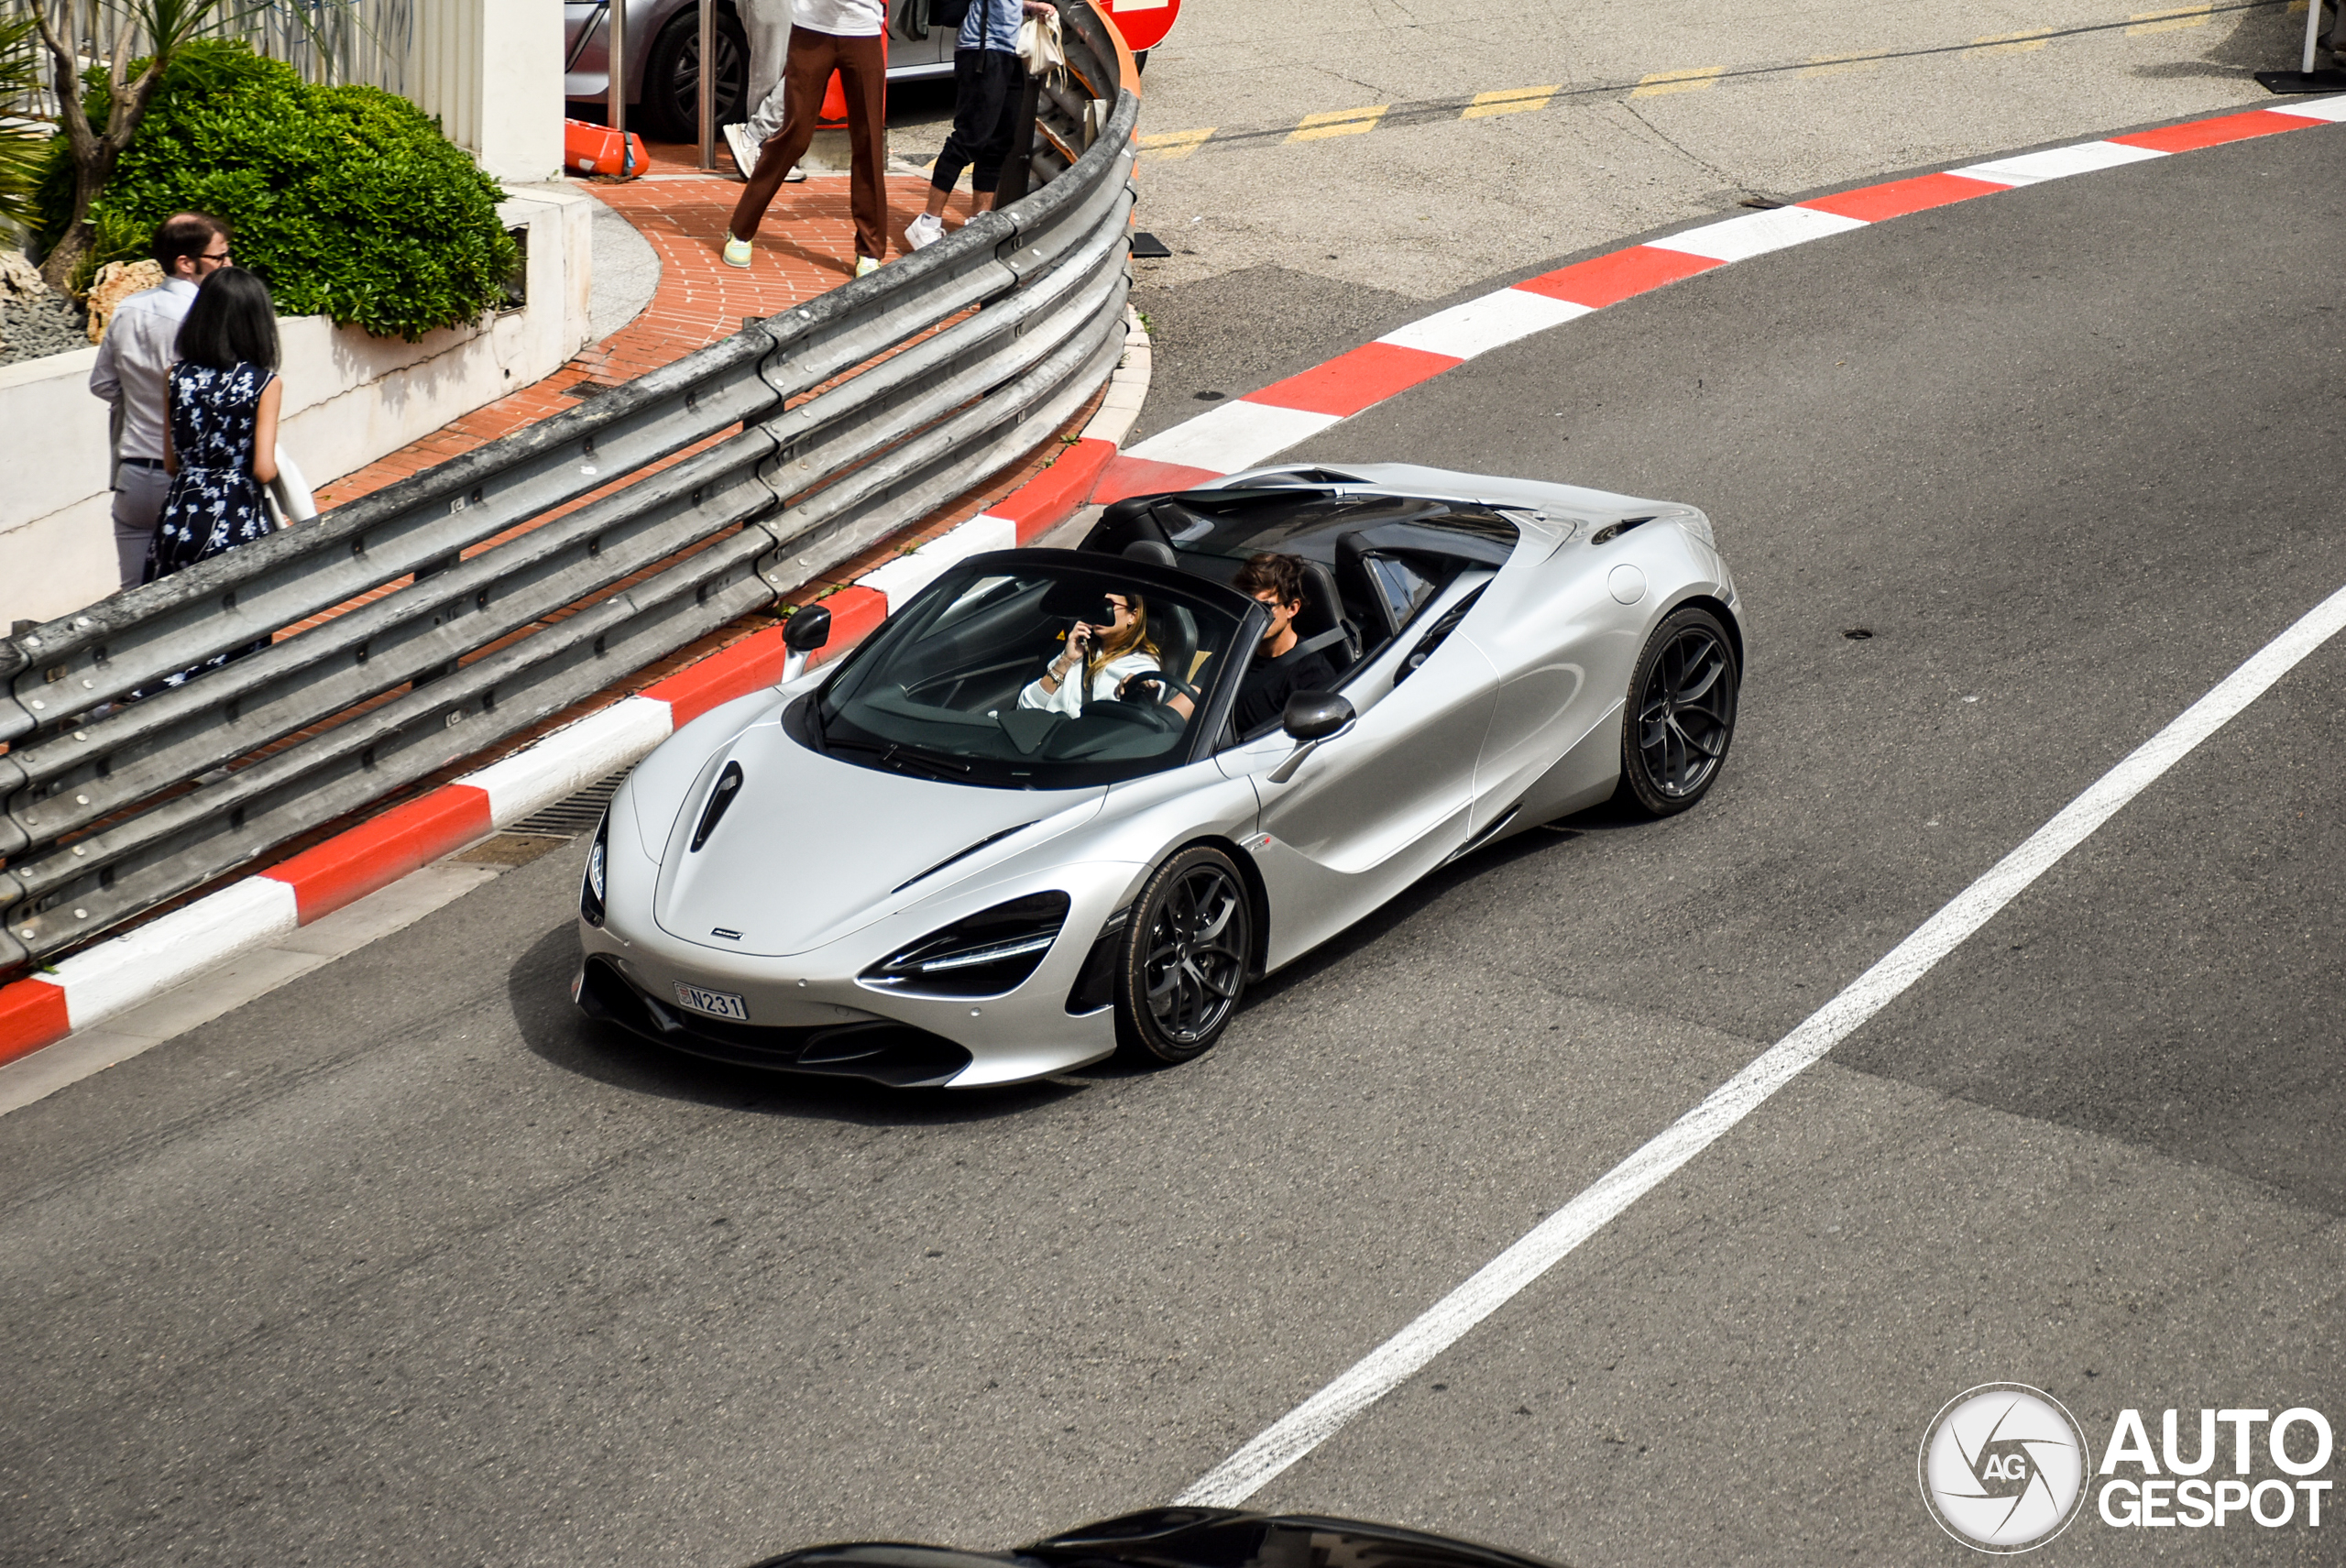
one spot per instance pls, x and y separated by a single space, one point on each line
737 252
865 266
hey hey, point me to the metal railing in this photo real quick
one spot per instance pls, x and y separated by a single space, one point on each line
861 412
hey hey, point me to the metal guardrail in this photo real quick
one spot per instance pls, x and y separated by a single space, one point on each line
970 353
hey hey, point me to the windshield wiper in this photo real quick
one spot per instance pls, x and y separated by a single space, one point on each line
895 753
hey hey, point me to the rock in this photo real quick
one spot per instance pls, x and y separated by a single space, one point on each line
19 279
116 282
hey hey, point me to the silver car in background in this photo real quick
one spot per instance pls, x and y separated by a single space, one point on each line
663 59
910 868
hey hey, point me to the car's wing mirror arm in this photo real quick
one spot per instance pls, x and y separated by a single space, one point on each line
1310 718
806 630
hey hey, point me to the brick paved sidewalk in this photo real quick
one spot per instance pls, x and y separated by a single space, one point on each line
806 248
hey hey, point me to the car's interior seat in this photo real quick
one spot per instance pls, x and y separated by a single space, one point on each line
1321 624
1174 629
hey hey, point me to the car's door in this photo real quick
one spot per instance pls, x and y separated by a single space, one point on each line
1369 812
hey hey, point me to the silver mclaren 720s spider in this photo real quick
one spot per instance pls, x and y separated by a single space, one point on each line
1066 801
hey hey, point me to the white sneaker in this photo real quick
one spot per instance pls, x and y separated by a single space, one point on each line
924 231
865 266
745 151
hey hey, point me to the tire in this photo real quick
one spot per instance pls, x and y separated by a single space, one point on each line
1681 715
671 97
1183 966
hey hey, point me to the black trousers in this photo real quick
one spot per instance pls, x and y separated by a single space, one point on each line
986 87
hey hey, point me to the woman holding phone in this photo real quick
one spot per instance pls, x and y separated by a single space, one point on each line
1108 653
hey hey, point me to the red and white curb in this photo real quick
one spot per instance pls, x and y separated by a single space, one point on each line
115 976
1249 430
1239 434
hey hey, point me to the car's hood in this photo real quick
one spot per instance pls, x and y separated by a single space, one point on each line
813 847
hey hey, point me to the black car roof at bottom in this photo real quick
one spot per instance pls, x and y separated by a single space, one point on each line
1189 1538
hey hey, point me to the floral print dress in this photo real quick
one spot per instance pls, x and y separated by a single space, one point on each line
214 503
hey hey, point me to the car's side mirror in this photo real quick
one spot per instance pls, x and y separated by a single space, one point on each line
1315 716
806 630
1310 717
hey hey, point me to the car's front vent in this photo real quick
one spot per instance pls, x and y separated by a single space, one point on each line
728 785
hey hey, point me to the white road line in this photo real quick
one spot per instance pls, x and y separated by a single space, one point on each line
1236 435
1757 234
1497 319
1315 1420
2058 163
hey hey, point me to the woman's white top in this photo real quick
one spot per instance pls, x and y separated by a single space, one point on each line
1105 682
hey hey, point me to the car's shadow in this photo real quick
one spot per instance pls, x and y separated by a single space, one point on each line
537 988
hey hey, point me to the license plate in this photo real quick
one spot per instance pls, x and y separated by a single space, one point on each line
716 1004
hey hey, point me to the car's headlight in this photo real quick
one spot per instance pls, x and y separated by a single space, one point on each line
986 954
590 888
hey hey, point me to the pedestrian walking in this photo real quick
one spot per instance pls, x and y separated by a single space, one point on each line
847 37
767 22
989 80
133 365
220 447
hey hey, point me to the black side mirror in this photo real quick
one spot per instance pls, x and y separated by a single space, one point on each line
1315 716
807 630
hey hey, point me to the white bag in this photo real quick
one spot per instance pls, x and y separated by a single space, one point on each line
1038 45
291 493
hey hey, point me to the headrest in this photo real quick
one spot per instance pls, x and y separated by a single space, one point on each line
1155 552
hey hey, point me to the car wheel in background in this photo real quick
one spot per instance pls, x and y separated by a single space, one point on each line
1681 718
1185 955
672 76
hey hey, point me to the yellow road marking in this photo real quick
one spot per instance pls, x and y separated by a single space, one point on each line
1662 82
1339 122
1173 144
2168 21
1513 101
2009 43
1840 64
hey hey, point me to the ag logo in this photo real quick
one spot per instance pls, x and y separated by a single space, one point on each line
2003 1467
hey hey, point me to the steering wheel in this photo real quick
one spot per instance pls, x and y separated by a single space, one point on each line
1138 677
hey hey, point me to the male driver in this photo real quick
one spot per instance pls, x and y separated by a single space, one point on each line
133 365
1279 670
846 36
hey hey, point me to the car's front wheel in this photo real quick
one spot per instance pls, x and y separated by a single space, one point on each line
1681 716
1183 966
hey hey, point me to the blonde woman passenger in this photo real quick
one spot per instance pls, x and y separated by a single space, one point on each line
1110 654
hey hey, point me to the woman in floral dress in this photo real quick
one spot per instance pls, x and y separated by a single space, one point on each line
220 443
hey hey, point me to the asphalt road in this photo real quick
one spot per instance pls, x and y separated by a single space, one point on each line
1285 250
404 1262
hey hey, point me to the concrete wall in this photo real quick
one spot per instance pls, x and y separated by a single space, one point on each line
492 70
349 399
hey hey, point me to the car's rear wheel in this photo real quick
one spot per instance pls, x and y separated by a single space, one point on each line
1183 967
672 76
1681 718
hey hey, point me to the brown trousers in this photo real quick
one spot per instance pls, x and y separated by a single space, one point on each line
863 73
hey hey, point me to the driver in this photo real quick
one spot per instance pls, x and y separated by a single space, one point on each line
1110 654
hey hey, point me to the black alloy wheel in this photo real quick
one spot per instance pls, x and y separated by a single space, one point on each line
1681 718
1184 962
672 76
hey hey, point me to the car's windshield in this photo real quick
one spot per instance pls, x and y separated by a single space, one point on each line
1046 678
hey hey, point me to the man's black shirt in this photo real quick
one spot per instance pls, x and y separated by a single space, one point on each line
1262 696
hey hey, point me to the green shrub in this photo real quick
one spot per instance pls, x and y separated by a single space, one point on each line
348 200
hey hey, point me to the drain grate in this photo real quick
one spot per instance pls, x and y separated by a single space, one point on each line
570 818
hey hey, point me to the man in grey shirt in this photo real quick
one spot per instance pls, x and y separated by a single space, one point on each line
133 369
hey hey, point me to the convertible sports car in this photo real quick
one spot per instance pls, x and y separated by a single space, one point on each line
932 862
1187 1537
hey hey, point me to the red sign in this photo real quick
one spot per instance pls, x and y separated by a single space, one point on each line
1144 23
